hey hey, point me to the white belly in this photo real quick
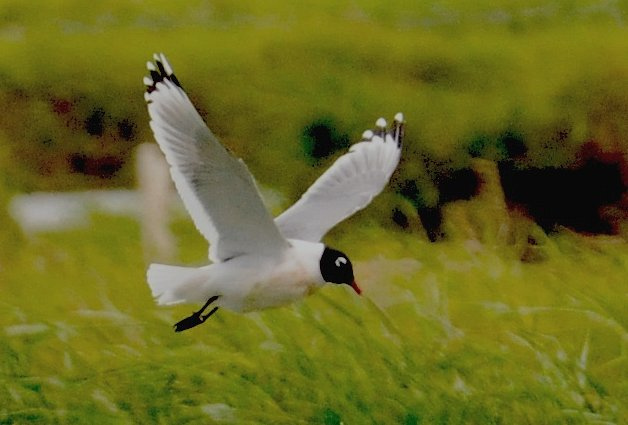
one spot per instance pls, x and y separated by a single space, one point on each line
263 285
278 292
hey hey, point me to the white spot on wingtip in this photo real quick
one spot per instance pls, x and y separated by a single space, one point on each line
381 123
399 117
148 81
166 64
151 66
147 97
368 134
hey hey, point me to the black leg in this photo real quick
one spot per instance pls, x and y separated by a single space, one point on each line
206 316
209 301
196 318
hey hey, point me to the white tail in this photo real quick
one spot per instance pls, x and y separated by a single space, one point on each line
176 284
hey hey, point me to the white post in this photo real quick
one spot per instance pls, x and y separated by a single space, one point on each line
155 189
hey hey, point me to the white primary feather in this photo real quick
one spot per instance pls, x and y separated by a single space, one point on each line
347 186
217 189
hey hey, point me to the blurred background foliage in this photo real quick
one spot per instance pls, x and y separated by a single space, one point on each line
486 327
554 74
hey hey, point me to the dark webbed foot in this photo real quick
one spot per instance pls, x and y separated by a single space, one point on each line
196 318
188 322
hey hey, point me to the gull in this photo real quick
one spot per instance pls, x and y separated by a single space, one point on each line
256 262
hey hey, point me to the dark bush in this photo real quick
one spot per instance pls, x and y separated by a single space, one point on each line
322 138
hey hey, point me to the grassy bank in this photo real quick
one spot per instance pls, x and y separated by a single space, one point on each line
445 333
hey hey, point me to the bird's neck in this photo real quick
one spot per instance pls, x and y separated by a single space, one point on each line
308 255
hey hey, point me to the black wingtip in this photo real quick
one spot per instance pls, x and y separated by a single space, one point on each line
159 70
398 129
395 131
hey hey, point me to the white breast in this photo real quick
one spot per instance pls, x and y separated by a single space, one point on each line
294 276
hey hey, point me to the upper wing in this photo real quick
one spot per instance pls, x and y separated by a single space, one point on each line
217 189
347 186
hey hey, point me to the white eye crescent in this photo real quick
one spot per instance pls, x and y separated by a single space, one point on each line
340 260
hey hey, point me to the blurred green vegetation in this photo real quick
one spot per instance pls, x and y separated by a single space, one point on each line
461 332
554 74
449 333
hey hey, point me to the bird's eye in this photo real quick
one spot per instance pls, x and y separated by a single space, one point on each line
340 260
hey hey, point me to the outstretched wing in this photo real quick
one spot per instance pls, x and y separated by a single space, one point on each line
217 189
347 186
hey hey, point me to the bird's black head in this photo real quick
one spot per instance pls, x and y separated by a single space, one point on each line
336 268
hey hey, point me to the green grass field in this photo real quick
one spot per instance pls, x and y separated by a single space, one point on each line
456 332
448 333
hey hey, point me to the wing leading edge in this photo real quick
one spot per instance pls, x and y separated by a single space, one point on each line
217 189
348 185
